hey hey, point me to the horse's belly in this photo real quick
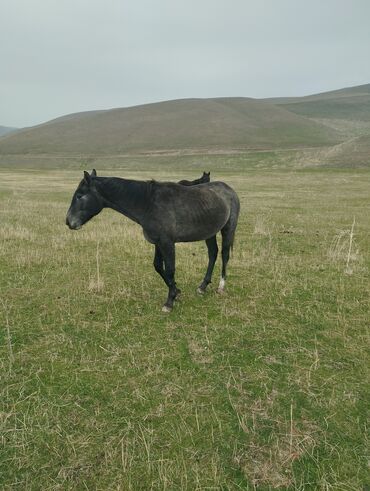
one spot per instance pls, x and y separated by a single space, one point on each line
148 237
191 231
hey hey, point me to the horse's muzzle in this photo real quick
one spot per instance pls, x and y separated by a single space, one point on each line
72 226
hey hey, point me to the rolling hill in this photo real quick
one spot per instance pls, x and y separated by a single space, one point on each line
196 124
352 103
336 121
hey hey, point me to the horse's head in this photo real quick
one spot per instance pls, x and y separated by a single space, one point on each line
206 176
86 202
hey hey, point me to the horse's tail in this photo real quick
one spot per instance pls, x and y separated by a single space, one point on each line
236 216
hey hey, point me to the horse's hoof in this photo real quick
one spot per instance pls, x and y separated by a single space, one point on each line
221 286
200 291
166 309
220 291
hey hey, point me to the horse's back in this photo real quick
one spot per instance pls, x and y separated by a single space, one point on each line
203 194
193 212
175 192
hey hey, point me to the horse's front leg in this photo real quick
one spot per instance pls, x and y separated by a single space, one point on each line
167 250
158 264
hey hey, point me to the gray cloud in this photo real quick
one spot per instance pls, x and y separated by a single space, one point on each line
76 55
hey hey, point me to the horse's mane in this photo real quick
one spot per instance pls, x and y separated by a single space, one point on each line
114 187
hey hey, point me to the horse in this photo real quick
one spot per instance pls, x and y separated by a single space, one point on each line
205 178
168 213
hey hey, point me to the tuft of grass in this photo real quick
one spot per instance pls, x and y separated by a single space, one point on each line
343 250
96 284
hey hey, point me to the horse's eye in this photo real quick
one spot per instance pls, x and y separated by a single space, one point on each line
79 196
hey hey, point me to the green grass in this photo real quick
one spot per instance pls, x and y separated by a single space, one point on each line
261 388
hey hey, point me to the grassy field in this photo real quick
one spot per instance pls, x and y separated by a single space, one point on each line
262 388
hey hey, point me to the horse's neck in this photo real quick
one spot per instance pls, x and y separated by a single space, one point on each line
131 198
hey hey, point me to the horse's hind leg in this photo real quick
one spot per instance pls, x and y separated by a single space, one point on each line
228 233
212 256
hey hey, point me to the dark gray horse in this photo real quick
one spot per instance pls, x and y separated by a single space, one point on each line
168 213
205 178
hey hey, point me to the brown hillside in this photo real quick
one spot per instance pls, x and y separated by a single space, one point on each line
352 104
224 123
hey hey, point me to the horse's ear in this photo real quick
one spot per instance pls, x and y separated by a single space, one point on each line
87 177
93 174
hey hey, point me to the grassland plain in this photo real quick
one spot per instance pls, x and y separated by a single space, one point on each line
262 388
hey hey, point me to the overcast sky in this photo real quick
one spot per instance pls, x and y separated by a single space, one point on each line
64 56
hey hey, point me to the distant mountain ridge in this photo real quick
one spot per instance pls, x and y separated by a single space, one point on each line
226 124
5 130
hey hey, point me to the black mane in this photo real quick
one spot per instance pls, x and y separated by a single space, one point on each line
125 194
